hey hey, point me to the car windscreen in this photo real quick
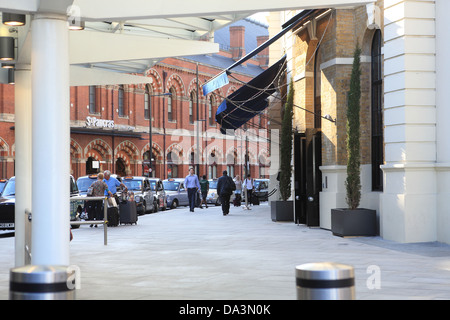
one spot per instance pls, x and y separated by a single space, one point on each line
84 184
133 184
2 186
171 185
10 188
153 185
213 184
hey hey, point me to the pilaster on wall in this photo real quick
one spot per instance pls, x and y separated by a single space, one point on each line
408 204
443 116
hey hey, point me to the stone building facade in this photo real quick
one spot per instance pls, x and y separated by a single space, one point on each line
404 107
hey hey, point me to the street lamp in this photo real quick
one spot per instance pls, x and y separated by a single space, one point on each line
150 126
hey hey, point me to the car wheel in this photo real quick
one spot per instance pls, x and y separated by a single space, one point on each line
155 207
174 204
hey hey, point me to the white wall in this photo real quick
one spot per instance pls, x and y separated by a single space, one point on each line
408 203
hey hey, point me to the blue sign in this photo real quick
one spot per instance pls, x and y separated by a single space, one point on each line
215 83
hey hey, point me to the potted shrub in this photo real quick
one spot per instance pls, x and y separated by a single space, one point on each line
354 221
283 210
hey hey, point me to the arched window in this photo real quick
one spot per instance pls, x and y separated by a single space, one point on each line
172 167
171 106
191 107
121 97
148 102
377 113
210 110
317 90
92 99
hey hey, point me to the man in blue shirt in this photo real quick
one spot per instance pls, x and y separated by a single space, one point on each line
192 184
113 183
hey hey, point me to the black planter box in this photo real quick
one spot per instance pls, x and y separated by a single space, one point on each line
358 222
282 210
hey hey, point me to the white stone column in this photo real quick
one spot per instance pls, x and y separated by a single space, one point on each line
443 118
22 91
408 203
51 140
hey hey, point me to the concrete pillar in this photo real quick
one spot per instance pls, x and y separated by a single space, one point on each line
408 203
443 118
51 140
23 160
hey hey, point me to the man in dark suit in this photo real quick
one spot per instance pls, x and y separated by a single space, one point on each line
225 187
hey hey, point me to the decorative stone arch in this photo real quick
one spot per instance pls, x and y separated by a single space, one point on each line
100 147
264 157
193 86
157 150
4 148
252 157
129 148
157 83
177 150
194 149
76 152
231 89
233 152
175 81
218 152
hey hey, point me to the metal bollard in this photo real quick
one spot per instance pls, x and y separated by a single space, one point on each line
325 281
41 283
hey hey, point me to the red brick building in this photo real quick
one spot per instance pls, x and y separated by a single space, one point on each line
110 125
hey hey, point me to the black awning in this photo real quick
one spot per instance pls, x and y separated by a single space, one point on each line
250 100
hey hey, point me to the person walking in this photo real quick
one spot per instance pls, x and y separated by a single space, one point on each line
204 188
248 186
113 183
192 185
225 187
99 188
238 191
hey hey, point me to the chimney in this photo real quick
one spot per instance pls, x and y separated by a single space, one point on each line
263 56
237 42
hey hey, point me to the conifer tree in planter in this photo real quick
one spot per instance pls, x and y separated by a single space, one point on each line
354 221
283 210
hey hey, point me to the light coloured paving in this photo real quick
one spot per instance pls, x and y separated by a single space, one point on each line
204 255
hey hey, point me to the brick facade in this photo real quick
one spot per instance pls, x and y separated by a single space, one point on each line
124 149
338 32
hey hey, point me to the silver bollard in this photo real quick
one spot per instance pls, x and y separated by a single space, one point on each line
325 281
41 283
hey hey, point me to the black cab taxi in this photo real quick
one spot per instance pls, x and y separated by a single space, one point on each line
8 200
143 194
157 187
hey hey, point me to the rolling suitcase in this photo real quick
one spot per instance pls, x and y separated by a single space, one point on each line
128 214
255 200
113 216
237 200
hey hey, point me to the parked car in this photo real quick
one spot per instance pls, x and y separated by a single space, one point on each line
261 189
2 184
212 196
143 195
84 182
177 193
157 187
8 200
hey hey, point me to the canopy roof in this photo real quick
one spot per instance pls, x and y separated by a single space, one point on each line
131 36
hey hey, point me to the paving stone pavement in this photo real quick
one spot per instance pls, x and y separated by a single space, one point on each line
180 255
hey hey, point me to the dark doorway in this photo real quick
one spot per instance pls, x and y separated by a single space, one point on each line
307 177
92 166
120 167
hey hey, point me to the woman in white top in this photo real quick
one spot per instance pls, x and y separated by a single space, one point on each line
248 185
238 183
